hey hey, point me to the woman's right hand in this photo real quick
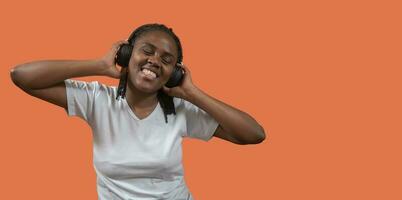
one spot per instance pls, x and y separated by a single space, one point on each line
108 63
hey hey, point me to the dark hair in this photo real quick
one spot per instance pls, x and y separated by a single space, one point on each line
165 100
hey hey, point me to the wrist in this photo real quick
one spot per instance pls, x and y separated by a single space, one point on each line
192 93
100 66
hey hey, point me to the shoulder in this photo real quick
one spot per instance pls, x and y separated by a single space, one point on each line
181 104
80 84
185 106
91 87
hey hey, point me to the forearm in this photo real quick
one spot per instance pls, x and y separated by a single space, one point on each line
45 73
238 124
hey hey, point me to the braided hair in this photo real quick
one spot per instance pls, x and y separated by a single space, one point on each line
165 100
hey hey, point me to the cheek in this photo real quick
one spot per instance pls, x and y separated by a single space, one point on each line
168 73
135 59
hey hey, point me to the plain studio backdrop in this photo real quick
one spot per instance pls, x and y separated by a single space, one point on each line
322 77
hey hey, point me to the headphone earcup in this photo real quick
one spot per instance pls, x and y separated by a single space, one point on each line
123 55
176 78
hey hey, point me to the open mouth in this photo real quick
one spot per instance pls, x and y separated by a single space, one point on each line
149 74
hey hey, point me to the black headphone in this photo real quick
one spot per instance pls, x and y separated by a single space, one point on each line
123 56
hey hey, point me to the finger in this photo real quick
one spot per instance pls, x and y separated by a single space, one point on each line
166 89
117 44
184 66
116 74
121 41
185 69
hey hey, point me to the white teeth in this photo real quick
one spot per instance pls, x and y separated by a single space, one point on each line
149 73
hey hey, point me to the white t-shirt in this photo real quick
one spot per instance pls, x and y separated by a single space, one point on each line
136 158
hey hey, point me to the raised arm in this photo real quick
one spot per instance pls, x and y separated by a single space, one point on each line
235 125
45 79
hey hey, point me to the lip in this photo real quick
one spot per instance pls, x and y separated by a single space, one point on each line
142 74
151 69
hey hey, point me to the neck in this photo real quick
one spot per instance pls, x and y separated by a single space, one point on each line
137 98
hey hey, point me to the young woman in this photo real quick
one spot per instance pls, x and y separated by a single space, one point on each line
137 134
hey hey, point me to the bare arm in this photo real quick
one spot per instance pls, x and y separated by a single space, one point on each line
46 73
45 79
235 125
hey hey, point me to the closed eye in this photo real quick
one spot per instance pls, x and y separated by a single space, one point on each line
147 51
167 60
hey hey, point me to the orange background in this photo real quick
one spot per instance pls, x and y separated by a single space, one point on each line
323 78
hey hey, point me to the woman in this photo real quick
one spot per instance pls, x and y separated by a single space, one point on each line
137 138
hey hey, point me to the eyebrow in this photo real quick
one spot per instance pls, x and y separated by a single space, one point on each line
153 46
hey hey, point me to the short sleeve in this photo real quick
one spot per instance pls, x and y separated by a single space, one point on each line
200 124
80 98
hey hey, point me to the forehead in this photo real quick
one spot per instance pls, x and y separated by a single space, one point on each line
159 39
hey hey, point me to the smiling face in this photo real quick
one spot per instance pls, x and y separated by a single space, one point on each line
152 61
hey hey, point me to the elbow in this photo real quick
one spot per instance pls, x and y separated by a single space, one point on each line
13 76
259 136
260 139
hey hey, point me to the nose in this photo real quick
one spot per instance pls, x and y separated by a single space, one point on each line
153 60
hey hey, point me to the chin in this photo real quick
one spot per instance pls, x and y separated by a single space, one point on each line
146 87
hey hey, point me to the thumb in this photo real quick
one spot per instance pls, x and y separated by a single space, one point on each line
115 73
166 90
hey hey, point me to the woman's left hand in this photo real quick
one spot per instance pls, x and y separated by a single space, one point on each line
186 87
